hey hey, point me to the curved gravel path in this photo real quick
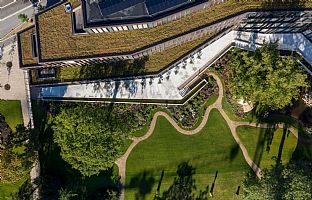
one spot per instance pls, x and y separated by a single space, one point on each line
121 162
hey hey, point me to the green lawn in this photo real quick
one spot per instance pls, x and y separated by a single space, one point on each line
264 144
8 188
208 151
12 111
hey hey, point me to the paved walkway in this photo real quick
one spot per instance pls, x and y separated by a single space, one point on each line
121 162
15 78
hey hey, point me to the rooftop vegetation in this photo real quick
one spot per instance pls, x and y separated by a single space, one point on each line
57 41
25 42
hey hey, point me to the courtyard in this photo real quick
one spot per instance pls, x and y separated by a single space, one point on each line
226 148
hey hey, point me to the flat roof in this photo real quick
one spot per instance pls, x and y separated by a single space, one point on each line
109 11
56 41
25 47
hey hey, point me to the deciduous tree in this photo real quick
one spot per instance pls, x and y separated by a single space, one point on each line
91 138
266 78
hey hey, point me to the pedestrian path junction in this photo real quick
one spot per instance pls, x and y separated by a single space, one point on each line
174 84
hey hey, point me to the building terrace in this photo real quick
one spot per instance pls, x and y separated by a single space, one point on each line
56 41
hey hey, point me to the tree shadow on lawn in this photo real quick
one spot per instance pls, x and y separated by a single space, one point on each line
264 142
303 149
234 152
184 185
144 182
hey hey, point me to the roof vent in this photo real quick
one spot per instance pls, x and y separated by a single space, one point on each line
68 7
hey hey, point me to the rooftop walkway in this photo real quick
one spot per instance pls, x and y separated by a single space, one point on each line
173 83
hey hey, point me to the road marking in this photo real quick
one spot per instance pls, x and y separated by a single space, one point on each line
16 13
8 4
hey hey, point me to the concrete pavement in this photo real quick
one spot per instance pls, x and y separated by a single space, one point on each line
15 78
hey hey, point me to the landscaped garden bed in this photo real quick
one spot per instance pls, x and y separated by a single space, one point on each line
189 114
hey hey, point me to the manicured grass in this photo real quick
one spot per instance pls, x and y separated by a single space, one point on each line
7 189
263 144
211 150
12 111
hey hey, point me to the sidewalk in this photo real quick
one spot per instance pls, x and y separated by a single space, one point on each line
15 78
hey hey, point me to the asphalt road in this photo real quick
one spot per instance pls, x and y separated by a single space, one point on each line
9 10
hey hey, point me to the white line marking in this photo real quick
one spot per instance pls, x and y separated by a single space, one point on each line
8 4
16 13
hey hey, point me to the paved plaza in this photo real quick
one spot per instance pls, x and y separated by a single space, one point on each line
168 85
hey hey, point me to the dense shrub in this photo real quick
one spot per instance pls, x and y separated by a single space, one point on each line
188 114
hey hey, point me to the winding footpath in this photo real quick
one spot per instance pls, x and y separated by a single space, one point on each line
121 162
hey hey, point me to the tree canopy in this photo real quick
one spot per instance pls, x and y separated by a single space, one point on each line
265 78
90 137
293 181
